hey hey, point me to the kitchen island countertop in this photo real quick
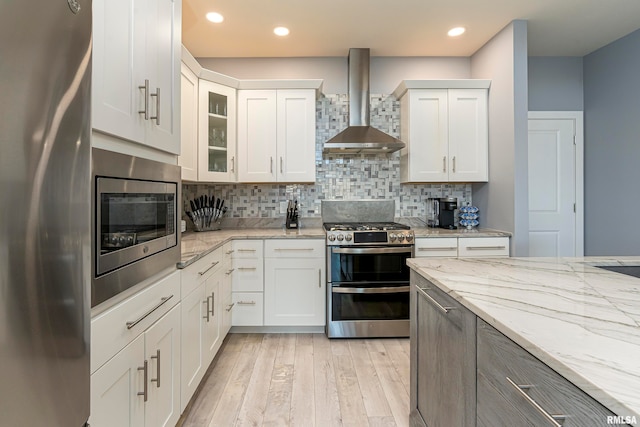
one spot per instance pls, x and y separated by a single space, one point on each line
580 320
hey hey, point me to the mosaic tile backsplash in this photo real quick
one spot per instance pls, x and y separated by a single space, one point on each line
346 177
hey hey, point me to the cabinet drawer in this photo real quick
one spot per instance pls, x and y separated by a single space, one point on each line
436 247
247 249
110 331
247 309
443 303
247 275
503 366
483 247
294 248
200 270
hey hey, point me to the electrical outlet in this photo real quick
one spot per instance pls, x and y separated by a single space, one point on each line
283 207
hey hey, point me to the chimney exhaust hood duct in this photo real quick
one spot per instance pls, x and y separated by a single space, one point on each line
360 137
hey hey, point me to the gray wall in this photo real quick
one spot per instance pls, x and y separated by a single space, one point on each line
555 83
612 148
386 72
503 201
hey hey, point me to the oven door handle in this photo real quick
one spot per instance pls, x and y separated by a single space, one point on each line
367 251
381 290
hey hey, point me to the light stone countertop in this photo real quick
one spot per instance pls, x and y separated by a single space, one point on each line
582 321
195 245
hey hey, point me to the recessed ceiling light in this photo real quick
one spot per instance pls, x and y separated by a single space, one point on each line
215 17
454 32
281 31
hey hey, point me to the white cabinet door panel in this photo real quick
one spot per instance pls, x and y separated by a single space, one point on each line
192 363
296 111
468 135
257 144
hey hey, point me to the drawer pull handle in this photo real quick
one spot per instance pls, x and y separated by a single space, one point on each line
229 252
488 248
246 303
230 306
208 309
554 420
246 250
448 248
440 307
444 164
213 264
228 272
247 268
141 318
157 379
293 249
145 390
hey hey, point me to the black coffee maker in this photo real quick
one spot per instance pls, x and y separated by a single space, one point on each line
447 212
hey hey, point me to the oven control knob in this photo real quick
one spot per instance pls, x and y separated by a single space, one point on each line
340 237
392 237
332 237
400 237
409 237
348 237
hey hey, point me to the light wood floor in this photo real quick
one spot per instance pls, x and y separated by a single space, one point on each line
304 380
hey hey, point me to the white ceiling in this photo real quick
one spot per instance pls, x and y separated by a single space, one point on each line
400 27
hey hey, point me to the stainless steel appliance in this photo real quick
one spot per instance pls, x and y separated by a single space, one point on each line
45 210
136 221
447 209
367 273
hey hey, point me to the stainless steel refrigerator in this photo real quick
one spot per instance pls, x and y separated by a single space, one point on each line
45 247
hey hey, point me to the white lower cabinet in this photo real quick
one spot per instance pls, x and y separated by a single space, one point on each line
462 247
139 386
295 283
201 319
247 282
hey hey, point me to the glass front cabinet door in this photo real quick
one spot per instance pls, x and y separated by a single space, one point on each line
217 133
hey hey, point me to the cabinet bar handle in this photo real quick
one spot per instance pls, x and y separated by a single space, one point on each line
246 303
319 278
213 304
208 309
230 306
443 309
228 272
454 164
271 160
213 264
448 248
246 250
479 248
145 390
145 88
554 420
293 249
281 165
141 318
157 116
246 268
233 164
157 379
229 252
444 164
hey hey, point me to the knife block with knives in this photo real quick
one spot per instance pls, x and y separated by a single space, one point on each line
292 214
206 212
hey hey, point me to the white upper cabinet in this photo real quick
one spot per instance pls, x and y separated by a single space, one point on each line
217 132
136 79
188 159
446 132
276 135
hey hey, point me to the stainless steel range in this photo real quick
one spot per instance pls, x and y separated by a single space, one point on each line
367 273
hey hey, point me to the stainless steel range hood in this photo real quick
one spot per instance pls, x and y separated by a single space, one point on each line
360 137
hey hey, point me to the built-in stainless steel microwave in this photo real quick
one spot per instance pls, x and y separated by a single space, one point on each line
135 217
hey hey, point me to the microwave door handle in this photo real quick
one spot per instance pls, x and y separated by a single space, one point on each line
376 290
368 251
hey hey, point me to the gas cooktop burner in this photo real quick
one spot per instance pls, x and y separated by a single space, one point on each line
368 233
366 226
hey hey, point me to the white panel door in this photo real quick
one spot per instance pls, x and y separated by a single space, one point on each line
468 135
257 145
294 292
296 135
552 188
428 136
193 366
